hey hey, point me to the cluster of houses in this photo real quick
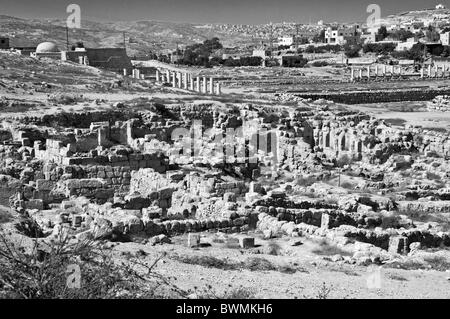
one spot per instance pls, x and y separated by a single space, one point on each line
342 34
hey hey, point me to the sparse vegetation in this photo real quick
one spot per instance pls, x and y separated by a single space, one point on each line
66 99
46 271
252 263
231 292
326 249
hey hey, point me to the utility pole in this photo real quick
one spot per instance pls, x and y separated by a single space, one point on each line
124 41
271 38
67 38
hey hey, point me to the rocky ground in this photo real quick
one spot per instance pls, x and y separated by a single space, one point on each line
280 196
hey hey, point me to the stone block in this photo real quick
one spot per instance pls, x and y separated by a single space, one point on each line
77 220
229 197
193 240
246 242
325 222
398 245
44 185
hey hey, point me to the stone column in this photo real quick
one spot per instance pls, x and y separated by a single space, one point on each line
360 74
429 71
125 72
211 86
218 89
368 72
191 82
197 84
376 70
179 79
384 69
422 73
168 76
204 85
185 81
436 69
174 79
157 76
352 74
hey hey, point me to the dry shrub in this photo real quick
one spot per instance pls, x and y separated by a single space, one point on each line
43 272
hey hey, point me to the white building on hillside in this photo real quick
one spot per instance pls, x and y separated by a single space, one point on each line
286 41
445 38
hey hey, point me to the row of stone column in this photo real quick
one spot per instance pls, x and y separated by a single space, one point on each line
375 71
187 81
135 74
390 70
435 72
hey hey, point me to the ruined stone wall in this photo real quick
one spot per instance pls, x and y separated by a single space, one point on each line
433 142
439 103
77 120
145 181
378 96
59 154
9 186
90 188
212 186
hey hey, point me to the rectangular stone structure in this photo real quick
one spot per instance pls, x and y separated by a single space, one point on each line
193 240
246 242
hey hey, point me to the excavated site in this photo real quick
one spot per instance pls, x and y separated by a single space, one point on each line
281 199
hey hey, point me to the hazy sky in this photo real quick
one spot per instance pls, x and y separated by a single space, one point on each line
213 11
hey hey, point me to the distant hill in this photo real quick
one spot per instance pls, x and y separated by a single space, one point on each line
141 36
428 14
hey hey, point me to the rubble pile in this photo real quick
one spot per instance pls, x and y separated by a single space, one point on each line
439 103
166 170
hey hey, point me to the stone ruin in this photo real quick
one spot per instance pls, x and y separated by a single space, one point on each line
127 176
439 103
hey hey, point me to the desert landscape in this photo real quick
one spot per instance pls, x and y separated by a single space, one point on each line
142 178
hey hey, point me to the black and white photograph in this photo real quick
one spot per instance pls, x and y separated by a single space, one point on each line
238 151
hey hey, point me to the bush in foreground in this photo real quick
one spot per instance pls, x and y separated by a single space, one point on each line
49 271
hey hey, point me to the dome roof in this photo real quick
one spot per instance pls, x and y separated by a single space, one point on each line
47 47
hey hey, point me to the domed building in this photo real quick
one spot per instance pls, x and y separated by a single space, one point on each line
47 47
48 50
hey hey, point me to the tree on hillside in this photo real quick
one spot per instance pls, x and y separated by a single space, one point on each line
382 33
199 53
319 38
383 48
416 53
352 51
401 35
432 35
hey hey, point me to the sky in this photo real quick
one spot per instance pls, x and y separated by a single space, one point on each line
213 11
